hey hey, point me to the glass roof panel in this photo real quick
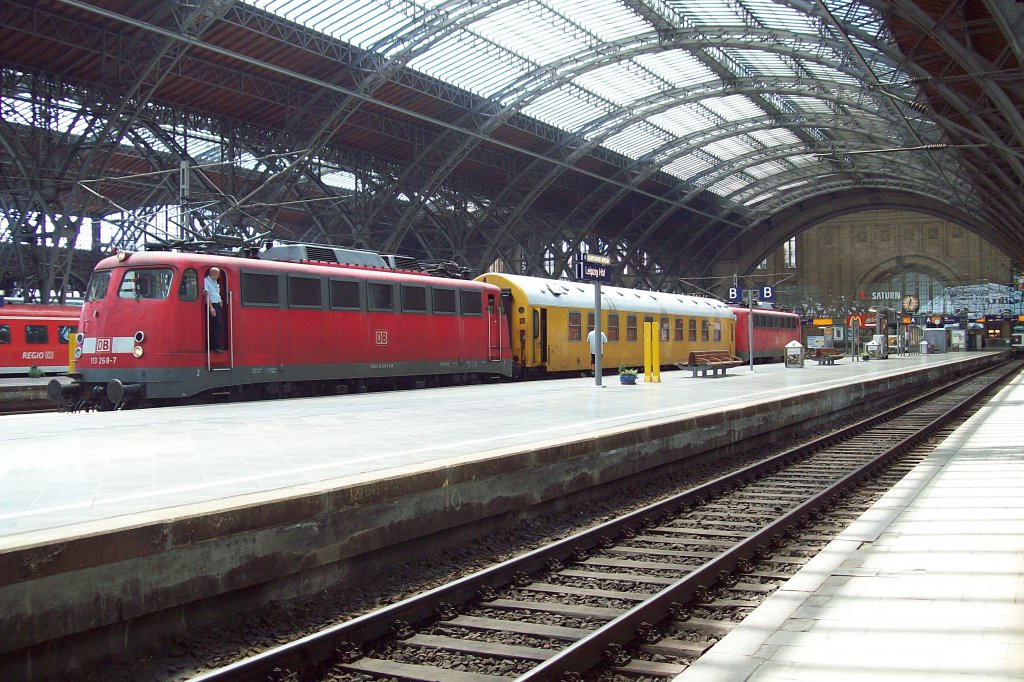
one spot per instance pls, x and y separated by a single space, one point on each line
733 107
619 83
680 68
635 141
492 49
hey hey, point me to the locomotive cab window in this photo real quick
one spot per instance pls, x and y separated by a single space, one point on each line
259 289
36 334
188 289
304 292
5 333
414 299
64 333
470 302
444 301
98 284
380 296
149 283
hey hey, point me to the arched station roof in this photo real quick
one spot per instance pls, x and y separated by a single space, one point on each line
665 131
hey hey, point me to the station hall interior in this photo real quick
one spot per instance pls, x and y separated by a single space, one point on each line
838 152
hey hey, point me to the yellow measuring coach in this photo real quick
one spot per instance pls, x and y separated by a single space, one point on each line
549 321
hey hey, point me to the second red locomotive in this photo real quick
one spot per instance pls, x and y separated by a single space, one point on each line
297 319
773 329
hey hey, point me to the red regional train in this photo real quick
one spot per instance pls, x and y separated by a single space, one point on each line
32 334
299 320
773 329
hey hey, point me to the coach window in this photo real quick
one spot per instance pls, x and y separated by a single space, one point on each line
444 301
704 330
663 335
344 294
575 326
718 330
613 327
5 333
36 334
97 286
380 296
693 330
679 329
471 303
259 289
630 327
590 323
188 290
304 292
414 299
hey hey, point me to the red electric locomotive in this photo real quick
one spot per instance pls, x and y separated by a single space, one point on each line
37 335
297 319
773 329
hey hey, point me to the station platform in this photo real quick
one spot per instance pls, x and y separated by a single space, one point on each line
115 519
927 586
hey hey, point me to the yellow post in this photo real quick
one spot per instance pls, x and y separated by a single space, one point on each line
655 353
72 344
648 329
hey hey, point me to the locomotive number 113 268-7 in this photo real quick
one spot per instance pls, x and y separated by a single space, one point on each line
103 360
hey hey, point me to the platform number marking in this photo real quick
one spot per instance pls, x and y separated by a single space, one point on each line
382 337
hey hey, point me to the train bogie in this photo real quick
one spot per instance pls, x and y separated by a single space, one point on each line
549 322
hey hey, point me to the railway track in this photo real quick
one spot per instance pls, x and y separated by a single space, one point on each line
640 596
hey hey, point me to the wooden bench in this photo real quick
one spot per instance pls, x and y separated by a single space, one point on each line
827 356
713 361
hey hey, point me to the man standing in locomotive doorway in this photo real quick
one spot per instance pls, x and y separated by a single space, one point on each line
214 309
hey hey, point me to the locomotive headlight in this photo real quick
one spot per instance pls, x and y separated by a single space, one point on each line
137 351
79 338
78 353
139 336
122 255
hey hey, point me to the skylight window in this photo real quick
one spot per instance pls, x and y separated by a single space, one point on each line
584 65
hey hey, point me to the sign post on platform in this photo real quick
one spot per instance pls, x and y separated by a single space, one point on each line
597 269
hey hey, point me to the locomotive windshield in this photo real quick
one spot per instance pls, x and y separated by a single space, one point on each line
151 283
97 286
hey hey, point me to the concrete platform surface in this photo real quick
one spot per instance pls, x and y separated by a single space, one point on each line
927 586
62 469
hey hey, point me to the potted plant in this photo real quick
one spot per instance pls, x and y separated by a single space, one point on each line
627 375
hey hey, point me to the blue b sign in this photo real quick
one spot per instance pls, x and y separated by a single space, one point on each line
763 294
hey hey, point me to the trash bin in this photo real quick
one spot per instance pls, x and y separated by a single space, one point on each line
924 347
794 354
873 349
